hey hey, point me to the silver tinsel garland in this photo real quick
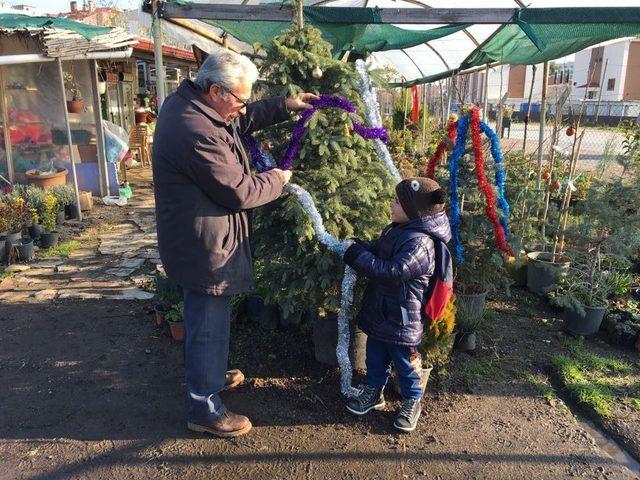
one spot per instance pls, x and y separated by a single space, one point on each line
348 283
350 277
372 107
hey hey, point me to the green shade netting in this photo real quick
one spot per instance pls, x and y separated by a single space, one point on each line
527 42
540 35
361 38
12 21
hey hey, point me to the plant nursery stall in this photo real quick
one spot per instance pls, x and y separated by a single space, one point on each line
52 132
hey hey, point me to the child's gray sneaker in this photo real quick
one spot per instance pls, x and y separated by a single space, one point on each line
370 398
408 416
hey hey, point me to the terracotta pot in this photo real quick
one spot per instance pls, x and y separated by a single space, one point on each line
141 116
159 314
177 330
47 180
75 106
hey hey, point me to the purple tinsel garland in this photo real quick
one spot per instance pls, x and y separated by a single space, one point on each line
326 101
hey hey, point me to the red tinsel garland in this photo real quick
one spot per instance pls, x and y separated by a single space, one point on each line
430 171
490 207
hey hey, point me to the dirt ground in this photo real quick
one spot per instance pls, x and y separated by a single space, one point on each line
91 389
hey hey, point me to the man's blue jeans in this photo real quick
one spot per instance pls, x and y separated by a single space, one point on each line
206 353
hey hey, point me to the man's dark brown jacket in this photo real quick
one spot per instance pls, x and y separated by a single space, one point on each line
204 189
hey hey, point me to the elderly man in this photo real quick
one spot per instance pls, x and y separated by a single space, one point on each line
204 191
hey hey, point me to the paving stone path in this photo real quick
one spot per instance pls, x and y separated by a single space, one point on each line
115 263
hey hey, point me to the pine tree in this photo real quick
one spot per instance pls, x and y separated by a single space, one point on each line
349 184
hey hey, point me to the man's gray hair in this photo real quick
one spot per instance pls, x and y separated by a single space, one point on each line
225 68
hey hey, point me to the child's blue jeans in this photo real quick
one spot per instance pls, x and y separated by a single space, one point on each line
408 363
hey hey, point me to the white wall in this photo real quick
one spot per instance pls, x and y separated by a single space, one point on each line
617 53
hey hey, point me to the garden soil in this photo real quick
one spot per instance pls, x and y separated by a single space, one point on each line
92 389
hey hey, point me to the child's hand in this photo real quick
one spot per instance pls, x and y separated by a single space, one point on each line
342 247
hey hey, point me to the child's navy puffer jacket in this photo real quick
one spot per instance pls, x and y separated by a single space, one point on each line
399 266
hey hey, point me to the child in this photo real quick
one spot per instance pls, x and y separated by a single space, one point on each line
402 267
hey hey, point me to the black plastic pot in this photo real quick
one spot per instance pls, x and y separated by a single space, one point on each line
14 238
26 249
70 212
466 341
35 230
3 250
542 274
325 340
49 240
586 323
470 306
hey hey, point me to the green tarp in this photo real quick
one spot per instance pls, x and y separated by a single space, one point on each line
12 21
361 38
546 34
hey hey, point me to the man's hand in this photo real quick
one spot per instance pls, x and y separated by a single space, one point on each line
285 175
300 101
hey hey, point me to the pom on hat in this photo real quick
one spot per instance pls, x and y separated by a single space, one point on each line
420 197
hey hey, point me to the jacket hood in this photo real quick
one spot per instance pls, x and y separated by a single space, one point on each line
436 225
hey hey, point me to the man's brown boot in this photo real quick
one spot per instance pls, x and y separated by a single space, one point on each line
227 425
233 378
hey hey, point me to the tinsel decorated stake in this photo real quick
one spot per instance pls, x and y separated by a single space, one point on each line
500 226
483 183
372 110
430 171
264 161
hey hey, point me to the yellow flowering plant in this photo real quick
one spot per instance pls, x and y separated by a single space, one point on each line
50 212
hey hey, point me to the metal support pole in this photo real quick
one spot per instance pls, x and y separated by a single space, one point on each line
543 114
5 121
69 139
449 94
486 93
300 14
157 53
103 166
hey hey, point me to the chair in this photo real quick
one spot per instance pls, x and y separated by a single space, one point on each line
139 143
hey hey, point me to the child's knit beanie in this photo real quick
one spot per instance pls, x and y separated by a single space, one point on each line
420 197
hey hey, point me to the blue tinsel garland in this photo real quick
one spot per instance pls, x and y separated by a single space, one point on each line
454 160
496 153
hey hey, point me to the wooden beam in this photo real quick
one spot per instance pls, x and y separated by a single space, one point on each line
284 13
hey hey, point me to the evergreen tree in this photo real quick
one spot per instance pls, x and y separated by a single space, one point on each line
349 184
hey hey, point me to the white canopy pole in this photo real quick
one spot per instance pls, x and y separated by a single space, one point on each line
157 53
69 140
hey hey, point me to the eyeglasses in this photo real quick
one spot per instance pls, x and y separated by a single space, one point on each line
245 103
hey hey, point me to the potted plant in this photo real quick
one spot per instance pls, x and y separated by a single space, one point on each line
66 197
602 240
175 319
46 178
15 213
49 238
76 104
167 295
34 199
